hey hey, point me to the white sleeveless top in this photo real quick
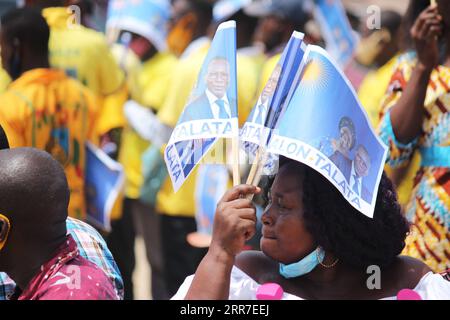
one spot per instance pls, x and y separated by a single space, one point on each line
431 287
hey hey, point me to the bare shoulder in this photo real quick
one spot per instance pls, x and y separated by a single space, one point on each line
409 270
254 263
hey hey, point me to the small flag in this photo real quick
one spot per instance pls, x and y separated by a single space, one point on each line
211 111
325 127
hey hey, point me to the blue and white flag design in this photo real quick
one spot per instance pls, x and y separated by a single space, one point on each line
105 179
211 111
325 127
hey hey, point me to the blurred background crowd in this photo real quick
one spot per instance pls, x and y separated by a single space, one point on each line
138 79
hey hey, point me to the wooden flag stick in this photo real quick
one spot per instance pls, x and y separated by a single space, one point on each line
235 159
257 168
433 2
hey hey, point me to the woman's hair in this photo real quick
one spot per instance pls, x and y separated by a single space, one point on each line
339 228
415 8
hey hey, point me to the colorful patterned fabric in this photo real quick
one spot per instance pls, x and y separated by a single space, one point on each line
47 110
91 246
429 207
68 276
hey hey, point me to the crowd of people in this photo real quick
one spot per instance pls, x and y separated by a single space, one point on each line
62 84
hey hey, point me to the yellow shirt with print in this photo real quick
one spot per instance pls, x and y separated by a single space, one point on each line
150 86
84 54
46 109
371 93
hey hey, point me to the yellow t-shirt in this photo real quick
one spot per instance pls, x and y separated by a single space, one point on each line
152 85
84 55
46 109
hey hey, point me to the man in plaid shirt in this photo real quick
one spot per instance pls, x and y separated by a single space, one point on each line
91 247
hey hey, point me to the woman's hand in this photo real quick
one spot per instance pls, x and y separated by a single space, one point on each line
425 32
235 221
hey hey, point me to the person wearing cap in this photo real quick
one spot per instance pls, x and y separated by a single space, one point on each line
313 249
148 84
278 19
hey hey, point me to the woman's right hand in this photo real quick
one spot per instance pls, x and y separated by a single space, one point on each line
235 220
425 32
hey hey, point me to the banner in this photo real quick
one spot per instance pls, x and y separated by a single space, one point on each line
211 111
336 30
326 128
104 179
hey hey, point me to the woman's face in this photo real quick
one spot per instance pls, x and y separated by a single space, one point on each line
284 235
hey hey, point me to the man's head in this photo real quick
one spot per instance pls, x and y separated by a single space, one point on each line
362 161
189 20
24 39
34 196
278 19
347 134
271 84
218 76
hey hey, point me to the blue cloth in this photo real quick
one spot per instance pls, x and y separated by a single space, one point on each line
435 156
91 246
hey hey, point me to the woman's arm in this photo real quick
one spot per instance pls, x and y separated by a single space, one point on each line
407 114
234 223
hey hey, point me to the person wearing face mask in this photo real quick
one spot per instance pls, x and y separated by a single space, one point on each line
414 118
313 249
43 107
143 54
35 249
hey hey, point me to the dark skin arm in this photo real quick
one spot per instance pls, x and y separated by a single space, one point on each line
234 224
407 115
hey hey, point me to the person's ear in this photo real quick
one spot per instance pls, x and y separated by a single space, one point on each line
5 227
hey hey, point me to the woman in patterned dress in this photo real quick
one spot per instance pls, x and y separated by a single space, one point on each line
416 116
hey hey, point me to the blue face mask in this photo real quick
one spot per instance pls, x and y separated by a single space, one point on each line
304 266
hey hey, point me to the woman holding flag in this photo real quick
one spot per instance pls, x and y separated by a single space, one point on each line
313 249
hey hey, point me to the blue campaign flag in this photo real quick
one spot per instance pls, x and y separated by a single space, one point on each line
211 111
104 180
273 99
147 18
336 29
325 127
